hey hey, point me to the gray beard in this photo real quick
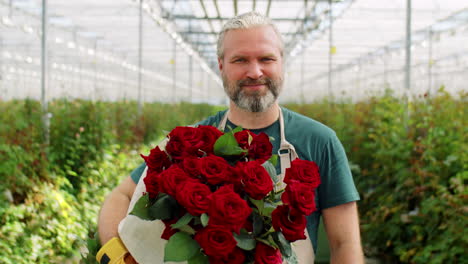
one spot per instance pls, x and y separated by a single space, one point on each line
255 103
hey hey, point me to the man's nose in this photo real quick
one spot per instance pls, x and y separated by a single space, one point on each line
254 71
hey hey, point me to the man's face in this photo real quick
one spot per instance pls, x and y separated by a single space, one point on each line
252 67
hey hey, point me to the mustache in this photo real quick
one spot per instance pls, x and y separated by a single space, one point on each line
254 82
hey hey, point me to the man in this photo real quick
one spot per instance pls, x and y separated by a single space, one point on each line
250 57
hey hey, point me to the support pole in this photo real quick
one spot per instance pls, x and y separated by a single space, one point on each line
302 79
174 62
385 69
408 60
430 62
330 54
3 86
95 70
190 82
140 62
204 86
208 86
44 75
10 8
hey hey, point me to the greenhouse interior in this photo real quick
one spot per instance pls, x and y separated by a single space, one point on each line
86 87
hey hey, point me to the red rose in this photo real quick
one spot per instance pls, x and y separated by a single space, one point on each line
196 141
190 135
290 222
152 183
235 177
260 148
300 196
170 179
304 171
228 209
237 256
265 254
244 138
194 196
157 160
168 231
191 166
215 169
209 136
256 180
175 147
216 241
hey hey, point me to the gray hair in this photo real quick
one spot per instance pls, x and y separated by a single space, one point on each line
245 21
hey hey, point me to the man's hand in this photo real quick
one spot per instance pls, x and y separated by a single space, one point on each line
130 260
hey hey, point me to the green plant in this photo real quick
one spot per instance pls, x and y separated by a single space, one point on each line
411 176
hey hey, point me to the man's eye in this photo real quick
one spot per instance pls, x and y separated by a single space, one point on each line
239 60
268 59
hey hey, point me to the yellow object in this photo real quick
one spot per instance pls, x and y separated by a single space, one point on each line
333 50
113 252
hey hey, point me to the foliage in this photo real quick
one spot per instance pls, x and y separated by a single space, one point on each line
50 194
411 171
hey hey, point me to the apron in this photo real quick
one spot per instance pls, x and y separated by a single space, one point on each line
143 238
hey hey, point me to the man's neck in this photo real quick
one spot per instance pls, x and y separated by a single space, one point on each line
251 120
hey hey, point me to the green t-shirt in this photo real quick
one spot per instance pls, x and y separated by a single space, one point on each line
315 142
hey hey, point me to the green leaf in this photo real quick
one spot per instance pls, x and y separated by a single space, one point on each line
274 160
180 247
277 196
268 241
93 245
271 170
184 220
264 208
141 208
204 219
291 259
268 208
197 221
227 145
72 173
257 224
199 258
164 208
283 244
245 241
258 203
237 129
187 229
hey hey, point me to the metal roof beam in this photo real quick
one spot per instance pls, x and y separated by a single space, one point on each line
268 8
217 7
235 7
188 17
215 33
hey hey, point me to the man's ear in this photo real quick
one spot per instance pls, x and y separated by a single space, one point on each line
220 64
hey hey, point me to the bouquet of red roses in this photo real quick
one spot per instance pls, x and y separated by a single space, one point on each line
220 198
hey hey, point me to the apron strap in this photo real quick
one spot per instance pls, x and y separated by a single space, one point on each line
223 122
286 153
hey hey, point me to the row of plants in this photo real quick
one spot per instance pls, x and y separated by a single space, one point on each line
50 194
410 165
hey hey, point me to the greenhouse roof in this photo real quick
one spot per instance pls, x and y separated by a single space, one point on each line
363 30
